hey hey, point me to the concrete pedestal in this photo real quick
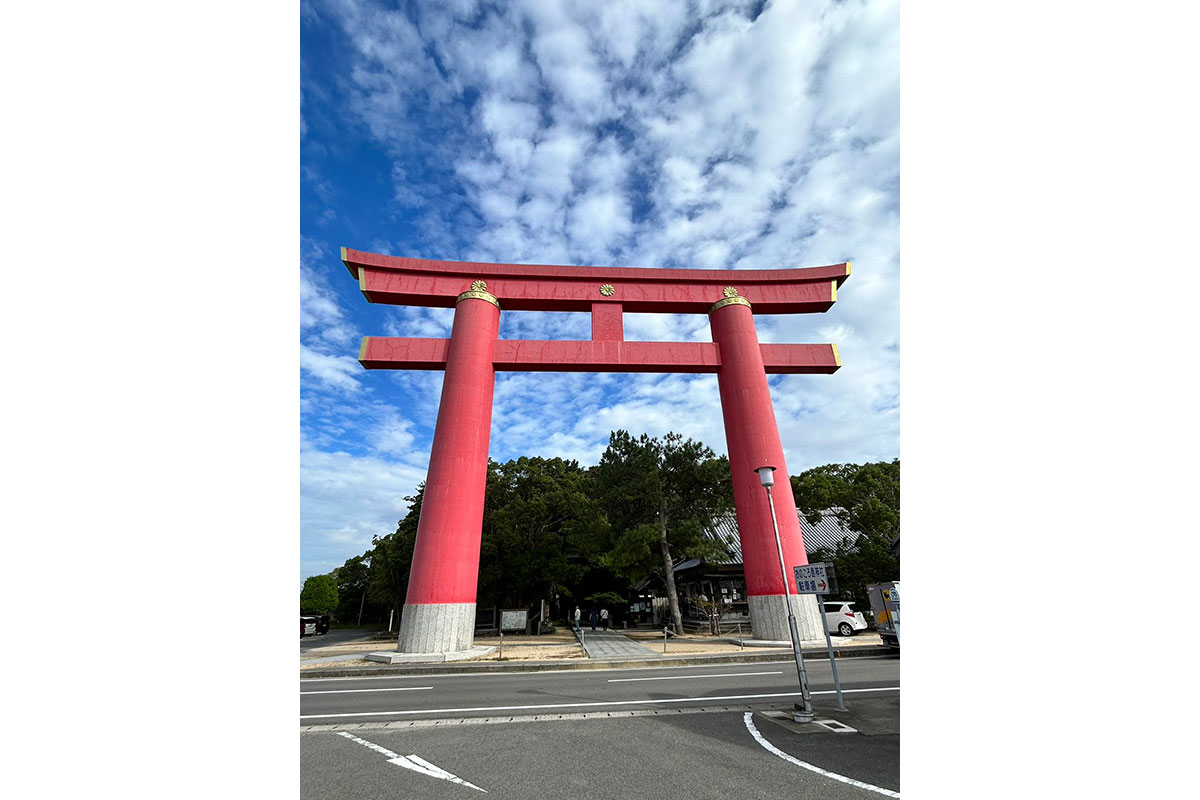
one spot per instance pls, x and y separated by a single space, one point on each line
768 617
437 628
395 657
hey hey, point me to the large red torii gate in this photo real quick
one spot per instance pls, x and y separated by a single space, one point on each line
439 612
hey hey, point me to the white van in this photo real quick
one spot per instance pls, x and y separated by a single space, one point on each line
842 619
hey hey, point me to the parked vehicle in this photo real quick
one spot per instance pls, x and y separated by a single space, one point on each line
885 610
842 619
320 623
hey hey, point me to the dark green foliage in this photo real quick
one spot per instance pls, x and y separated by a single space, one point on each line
352 580
609 600
658 497
391 559
552 529
319 595
638 478
541 531
866 498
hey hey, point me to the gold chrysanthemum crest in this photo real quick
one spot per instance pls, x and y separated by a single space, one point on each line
731 298
607 290
478 291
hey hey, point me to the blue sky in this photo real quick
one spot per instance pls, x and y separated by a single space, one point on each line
688 134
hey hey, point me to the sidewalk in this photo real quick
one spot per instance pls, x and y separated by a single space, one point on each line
612 646
612 650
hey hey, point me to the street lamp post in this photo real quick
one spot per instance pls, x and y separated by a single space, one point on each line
801 712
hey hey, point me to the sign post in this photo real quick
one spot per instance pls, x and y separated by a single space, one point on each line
820 579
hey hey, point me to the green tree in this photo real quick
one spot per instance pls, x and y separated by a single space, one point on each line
540 530
864 498
319 594
391 558
353 578
659 496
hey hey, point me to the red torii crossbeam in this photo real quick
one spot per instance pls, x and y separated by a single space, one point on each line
439 609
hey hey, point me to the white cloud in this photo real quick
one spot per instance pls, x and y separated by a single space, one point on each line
678 134
340 372
345 500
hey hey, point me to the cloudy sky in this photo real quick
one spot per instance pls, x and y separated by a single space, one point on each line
734 135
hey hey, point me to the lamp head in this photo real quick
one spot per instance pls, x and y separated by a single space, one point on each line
766 475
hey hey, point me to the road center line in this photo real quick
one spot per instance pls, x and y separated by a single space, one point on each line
356 691
592 705
685 677
748 719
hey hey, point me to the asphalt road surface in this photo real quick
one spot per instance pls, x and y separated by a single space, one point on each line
336 636
707 731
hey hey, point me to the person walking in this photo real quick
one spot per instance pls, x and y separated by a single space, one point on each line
576 617
604 618
592 616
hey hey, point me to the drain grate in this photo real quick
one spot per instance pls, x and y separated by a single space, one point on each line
834 725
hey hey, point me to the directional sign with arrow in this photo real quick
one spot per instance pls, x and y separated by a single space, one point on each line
816 578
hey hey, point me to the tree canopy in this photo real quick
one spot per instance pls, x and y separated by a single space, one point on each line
659 496
319 594
572 535
865 498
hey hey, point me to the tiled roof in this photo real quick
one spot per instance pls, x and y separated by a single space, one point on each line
828 533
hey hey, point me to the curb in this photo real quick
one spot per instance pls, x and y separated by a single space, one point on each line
443 668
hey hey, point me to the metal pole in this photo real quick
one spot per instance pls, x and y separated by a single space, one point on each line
832 663
806 714
501 656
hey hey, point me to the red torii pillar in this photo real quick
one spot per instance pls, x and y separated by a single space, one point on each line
439 611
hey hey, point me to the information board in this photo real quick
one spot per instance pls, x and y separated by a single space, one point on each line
516 620
818 578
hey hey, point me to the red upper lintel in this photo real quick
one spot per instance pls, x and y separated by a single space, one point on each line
530 287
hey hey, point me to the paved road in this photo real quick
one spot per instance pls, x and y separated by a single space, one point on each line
682 732
336 636
407 697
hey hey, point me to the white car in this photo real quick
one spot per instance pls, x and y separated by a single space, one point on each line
842 619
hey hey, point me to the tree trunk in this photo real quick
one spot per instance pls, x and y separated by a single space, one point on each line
668 571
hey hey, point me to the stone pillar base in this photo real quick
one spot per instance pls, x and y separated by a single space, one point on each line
769 617
437 628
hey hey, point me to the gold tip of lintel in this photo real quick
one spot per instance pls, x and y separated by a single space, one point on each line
833 295
837 358
847 267
343 254
362 350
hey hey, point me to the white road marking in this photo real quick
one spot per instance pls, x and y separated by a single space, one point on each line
355 691
413 762
685 677
747 717
473 674
584 705
559 672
